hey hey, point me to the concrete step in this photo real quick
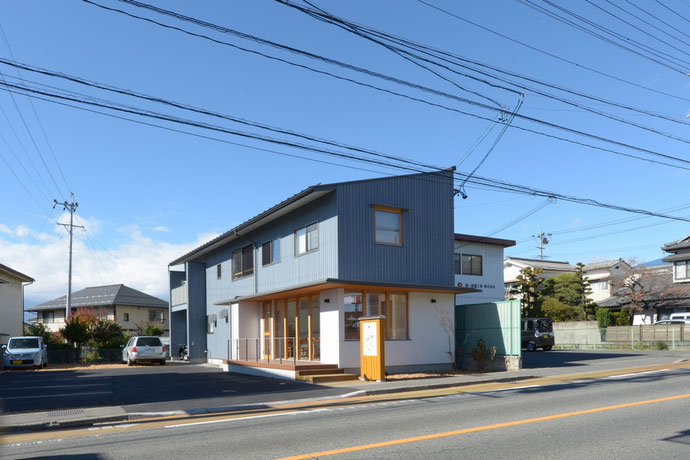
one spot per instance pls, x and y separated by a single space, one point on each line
327 378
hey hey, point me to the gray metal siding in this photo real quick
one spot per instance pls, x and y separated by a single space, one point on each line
426 256
196 310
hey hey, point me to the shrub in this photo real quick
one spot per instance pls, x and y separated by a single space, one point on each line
603 317
482 355
106 333
624 319
558 311
76 331
661 346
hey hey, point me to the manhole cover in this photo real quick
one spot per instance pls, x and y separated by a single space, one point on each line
60 413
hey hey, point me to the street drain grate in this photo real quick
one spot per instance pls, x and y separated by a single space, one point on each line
60 413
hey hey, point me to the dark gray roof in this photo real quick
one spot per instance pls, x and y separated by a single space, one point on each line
674 246
550 265
603 264
16 274
104 296
677 257
484 239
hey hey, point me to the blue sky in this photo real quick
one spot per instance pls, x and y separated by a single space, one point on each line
147 195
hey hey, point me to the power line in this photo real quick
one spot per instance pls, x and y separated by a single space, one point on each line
554 56
359 69
673 11
476 180
647 22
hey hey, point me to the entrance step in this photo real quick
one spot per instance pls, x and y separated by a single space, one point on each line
332 370
323 378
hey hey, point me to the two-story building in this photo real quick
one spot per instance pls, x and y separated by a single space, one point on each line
291 283
479 265
11 302
604 276
513 265
128 307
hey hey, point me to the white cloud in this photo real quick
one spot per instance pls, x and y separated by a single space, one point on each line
138 262
161 228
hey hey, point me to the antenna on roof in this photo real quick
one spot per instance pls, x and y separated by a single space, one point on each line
544 239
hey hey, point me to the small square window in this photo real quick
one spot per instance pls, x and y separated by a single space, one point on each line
306 239
471 265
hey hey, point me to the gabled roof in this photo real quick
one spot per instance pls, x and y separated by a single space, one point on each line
603 264
20 276
296 201
674 246
104 296
484 239
546 265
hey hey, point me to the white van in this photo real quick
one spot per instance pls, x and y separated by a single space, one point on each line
681 316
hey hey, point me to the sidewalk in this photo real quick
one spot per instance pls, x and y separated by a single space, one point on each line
35 421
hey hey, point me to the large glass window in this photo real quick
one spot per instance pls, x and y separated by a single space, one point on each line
376 303
315 328
388 226
270 252
396 319
306 239
354 309
471 265
682 270
243 262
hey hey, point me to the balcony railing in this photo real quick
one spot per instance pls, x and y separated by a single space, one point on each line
178 295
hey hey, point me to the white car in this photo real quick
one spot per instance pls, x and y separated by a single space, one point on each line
25 352
144 349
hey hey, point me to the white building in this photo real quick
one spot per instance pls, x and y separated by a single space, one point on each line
12 302
478 265
601 276
513 265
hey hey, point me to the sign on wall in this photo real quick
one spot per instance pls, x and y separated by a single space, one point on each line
370 339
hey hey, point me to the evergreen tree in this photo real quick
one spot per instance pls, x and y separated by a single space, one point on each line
527 289
585 291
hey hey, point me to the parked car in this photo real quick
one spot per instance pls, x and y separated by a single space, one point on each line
684 317
144 349
537 333
25 352
668 322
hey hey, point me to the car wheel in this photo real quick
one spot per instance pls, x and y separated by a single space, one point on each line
546 348
44 365
162 362
129 361
531 346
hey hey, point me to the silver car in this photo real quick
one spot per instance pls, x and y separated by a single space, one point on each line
144 349
25 352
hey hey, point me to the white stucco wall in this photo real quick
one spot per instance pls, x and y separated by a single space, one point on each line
11 307
427 344
330 322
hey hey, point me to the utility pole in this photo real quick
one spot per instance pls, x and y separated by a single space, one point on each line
71 207
543 239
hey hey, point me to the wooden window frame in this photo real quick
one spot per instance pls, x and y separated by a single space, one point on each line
386 313
388 209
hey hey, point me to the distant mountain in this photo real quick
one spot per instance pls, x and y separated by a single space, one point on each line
653 263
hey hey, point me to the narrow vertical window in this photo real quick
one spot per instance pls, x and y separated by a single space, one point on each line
457 264
353 310
243 262
388 226
219 271
396 319
270 252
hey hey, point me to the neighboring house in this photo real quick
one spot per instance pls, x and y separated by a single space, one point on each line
292 282
478 265
513 265
602 277
12 302
126 306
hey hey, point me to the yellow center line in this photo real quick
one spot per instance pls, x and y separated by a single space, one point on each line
480 428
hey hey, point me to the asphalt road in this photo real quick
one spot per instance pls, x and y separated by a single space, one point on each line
149 388
629 417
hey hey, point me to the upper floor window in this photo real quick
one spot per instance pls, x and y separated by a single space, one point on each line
457 264
270 252
306 239
682 270
243 262
471 264
219 271
156 316
388 225
599 285
48 317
